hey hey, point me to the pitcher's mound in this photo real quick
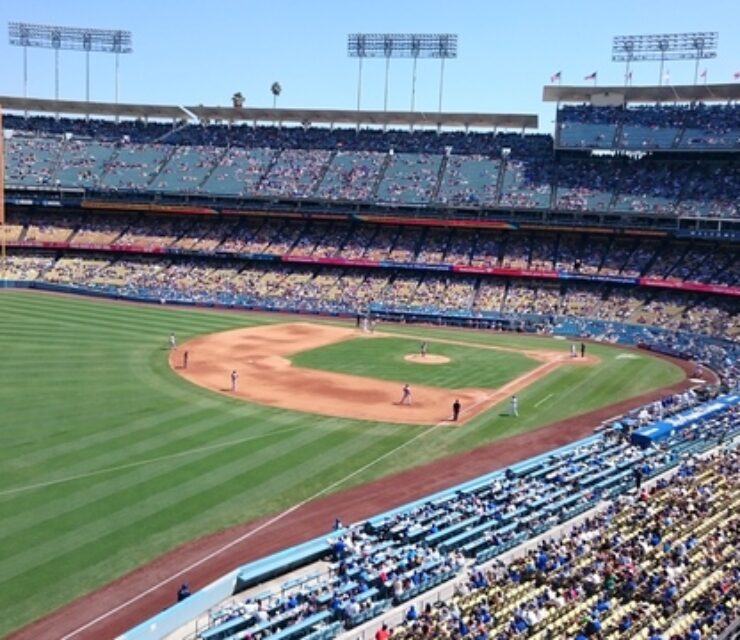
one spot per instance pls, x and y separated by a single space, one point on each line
427 359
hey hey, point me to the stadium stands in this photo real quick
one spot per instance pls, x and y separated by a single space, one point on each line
646 127
664 561
406 168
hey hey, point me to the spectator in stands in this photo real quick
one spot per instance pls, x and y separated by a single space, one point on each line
183 592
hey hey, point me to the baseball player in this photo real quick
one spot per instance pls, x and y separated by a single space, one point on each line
173 341
185 357
456 410
423 349
514 406
406 397
234 379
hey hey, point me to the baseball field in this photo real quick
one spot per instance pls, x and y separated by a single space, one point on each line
111 453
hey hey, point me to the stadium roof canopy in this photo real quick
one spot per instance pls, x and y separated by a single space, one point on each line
623 95
297 116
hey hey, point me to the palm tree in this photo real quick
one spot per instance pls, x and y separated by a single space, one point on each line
276 90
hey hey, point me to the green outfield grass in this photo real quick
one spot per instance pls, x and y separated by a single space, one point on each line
383 357
108 458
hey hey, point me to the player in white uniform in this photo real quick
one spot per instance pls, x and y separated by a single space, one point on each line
514 406
173 341
234 379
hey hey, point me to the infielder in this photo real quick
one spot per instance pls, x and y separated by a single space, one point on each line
234 379
406 397
456 406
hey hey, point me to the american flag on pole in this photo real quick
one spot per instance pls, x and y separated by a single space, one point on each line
737 75
555 77
591 76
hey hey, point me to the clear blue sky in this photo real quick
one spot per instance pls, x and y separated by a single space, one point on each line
188 52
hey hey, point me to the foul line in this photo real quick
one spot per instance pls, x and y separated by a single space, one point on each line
131 465
545 399
252 532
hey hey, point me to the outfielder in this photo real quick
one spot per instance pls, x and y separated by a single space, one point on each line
514 406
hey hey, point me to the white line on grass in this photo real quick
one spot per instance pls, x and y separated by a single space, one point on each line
257 529
545 399
139 463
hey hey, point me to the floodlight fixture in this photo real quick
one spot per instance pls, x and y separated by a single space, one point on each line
23 34
696 46
402 45
439 46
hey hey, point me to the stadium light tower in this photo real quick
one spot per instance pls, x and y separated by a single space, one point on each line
401 45
22 34
668 46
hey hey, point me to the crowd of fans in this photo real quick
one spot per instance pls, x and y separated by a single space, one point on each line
408 167
695 126
717 118
246 262
284 137
581 253
663 564
344 290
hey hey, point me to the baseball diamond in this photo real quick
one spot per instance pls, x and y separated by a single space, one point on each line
263 357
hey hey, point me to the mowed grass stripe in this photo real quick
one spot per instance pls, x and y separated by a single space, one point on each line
94 437
106 558
167 436
171 434
174 505
40 503
185 481
64 308
207 436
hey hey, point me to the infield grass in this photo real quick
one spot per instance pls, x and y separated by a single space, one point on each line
383 357
109 459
